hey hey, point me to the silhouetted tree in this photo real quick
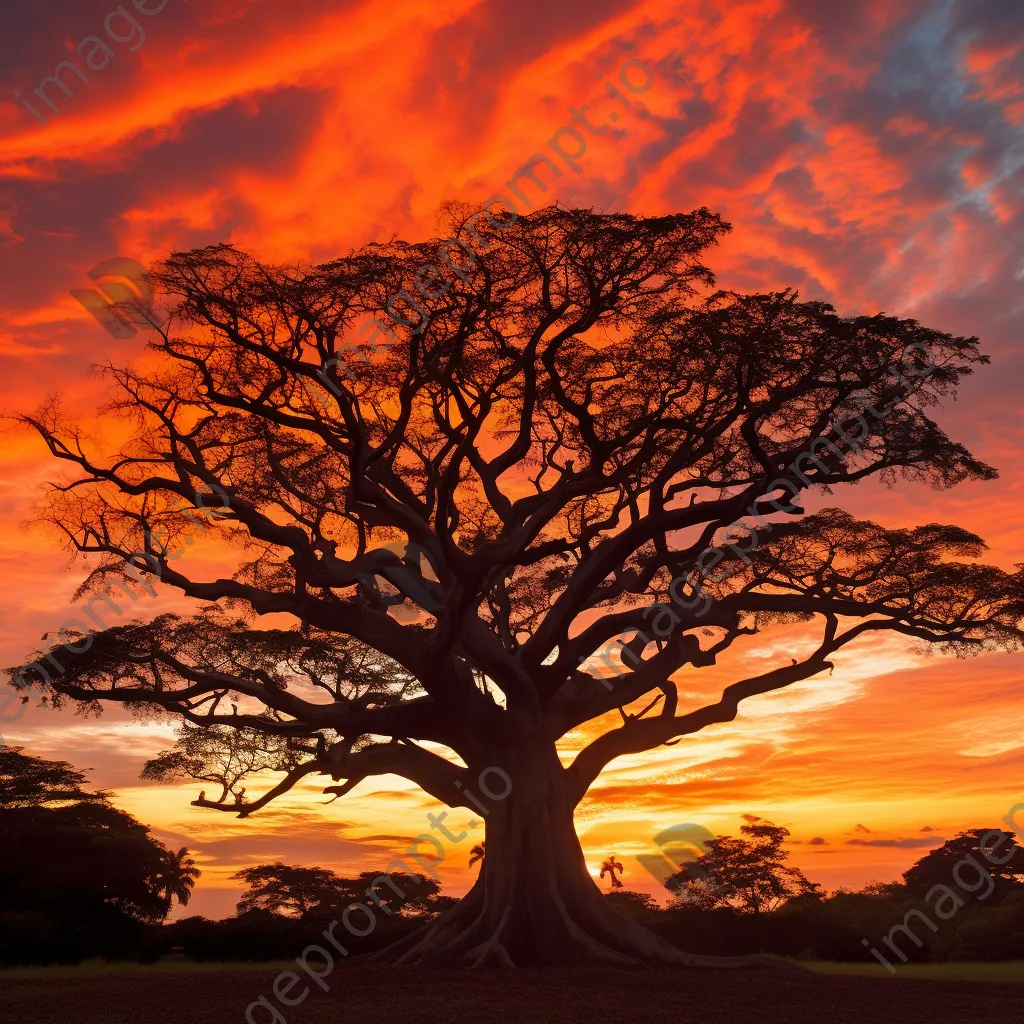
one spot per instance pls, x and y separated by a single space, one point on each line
401 892
90 873
558 427
27 781
937 866
748 874
636 905
177 876
609 867
477 854
879 890
291 890
295 891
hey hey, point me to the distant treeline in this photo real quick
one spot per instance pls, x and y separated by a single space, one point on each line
834 927
81 879
961 901
78 877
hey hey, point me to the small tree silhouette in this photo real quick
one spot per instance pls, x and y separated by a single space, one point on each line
748 874
478 853
177 876
609 867
937 866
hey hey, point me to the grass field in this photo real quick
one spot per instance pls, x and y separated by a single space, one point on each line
97 968
1011 970
183 993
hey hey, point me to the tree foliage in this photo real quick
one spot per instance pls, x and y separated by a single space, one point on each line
610 867
177 876
296 891
937 867
27 781
79 864
559 434
290 890
638 905
748 874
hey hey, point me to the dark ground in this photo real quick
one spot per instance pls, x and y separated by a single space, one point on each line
385 996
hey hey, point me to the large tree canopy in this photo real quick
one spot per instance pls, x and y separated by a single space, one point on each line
460 517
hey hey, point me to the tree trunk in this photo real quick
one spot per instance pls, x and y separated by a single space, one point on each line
534 902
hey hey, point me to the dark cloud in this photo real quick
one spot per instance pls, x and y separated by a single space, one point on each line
85 209
758 141
471 59
899 844
836 24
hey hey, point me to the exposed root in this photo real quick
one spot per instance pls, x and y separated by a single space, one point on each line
534 903
489 954
461 938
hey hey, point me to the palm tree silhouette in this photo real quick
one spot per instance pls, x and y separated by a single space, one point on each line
477 853
610 866
177 876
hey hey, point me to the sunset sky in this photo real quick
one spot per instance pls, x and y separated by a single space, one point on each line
867 152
